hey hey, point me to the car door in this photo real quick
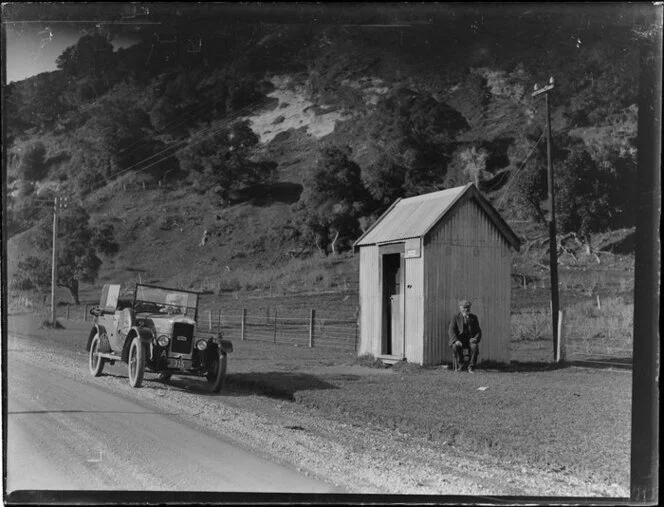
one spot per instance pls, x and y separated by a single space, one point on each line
108 314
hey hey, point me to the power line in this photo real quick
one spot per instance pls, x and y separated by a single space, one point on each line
177 146
516 173
195 113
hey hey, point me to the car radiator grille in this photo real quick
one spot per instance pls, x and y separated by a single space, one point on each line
183 337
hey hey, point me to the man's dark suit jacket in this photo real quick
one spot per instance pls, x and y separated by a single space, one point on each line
455 330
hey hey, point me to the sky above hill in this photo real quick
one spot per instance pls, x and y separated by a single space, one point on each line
37 33
33 47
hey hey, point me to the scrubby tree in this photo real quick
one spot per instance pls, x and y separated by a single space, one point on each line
385 180
33 162
529 189
25 207
332 201
90 64
221 158
79 247
414 136
35 102
585 196
34 273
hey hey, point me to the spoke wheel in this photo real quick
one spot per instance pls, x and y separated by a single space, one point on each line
136 362
95 362
217 371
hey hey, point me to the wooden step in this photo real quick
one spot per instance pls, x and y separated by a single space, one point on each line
389 359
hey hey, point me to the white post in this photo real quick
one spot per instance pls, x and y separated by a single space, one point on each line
562 346
599 305
275 325
312 317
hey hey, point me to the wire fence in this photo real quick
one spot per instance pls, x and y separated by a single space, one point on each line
341 331
278 326
271 325
607 336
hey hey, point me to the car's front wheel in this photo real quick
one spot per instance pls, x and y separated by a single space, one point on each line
217 370
136 362
95 362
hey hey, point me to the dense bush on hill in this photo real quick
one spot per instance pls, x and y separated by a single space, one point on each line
423 108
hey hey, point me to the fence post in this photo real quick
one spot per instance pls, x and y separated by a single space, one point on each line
312 316
85 313
599 305
220 319
357 325
244 323
562 349
210 320
275 325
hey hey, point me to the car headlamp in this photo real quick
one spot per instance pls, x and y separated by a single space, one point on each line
163 340
201 344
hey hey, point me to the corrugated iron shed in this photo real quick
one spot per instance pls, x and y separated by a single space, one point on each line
415 216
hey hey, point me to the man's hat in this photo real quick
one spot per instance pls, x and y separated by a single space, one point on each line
464 303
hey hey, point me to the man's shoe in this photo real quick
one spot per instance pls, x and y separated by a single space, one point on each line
471 369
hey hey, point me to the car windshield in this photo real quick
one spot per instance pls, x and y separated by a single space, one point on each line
161 300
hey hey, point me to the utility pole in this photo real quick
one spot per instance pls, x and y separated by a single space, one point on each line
553 244
644 469
54 259
58 203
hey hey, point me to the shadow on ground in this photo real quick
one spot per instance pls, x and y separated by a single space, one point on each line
527 366
279 385
624 363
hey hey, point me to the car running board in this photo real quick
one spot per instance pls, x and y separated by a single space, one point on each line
110 356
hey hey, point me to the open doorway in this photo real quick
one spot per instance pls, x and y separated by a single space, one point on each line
393 305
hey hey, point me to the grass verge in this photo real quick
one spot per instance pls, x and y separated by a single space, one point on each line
530 413
566 420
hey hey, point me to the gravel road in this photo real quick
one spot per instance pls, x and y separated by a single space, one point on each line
336 456
71 435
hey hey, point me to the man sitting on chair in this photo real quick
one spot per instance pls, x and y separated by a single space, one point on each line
465 333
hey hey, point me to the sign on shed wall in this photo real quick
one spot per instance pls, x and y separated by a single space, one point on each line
413 248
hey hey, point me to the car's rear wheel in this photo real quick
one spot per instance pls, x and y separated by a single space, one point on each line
95 362
136 362
217 371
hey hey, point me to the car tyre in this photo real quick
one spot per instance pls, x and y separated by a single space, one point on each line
217 370
136 362
95 362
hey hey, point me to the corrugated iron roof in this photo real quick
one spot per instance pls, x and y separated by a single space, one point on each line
415 216
411 217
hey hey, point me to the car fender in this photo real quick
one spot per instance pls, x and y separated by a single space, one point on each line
226 346
104 345
146 338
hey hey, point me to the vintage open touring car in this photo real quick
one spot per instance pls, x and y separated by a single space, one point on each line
156 331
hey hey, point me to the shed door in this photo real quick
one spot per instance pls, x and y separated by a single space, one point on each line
393 304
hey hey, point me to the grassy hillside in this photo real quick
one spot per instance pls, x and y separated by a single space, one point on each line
446 102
